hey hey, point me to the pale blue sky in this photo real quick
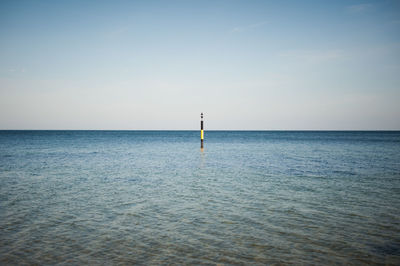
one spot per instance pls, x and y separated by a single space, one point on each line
158 64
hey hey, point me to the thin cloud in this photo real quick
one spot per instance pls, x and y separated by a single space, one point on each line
361 8
248 27
313 56
117 32
16 70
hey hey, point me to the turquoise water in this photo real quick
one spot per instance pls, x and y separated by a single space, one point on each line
152 197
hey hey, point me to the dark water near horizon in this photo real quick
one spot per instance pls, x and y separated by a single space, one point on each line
152 197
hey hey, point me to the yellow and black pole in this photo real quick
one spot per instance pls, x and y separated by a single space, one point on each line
201 131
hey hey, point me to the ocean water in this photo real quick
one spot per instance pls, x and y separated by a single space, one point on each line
153 197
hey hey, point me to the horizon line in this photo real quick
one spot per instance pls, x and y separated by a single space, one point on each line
370 130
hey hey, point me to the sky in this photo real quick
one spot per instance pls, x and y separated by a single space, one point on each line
156 65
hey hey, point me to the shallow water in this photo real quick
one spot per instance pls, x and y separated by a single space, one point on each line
152 197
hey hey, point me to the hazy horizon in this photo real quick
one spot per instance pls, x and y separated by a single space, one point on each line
223 130
156 65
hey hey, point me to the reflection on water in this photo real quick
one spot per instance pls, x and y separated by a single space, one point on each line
79 197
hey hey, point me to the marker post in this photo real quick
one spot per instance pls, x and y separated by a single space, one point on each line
201 131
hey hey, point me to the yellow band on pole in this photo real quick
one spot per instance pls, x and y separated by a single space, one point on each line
201 134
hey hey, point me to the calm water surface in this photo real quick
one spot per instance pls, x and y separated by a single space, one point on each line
152 197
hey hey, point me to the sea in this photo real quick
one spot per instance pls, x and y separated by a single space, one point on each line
154 197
